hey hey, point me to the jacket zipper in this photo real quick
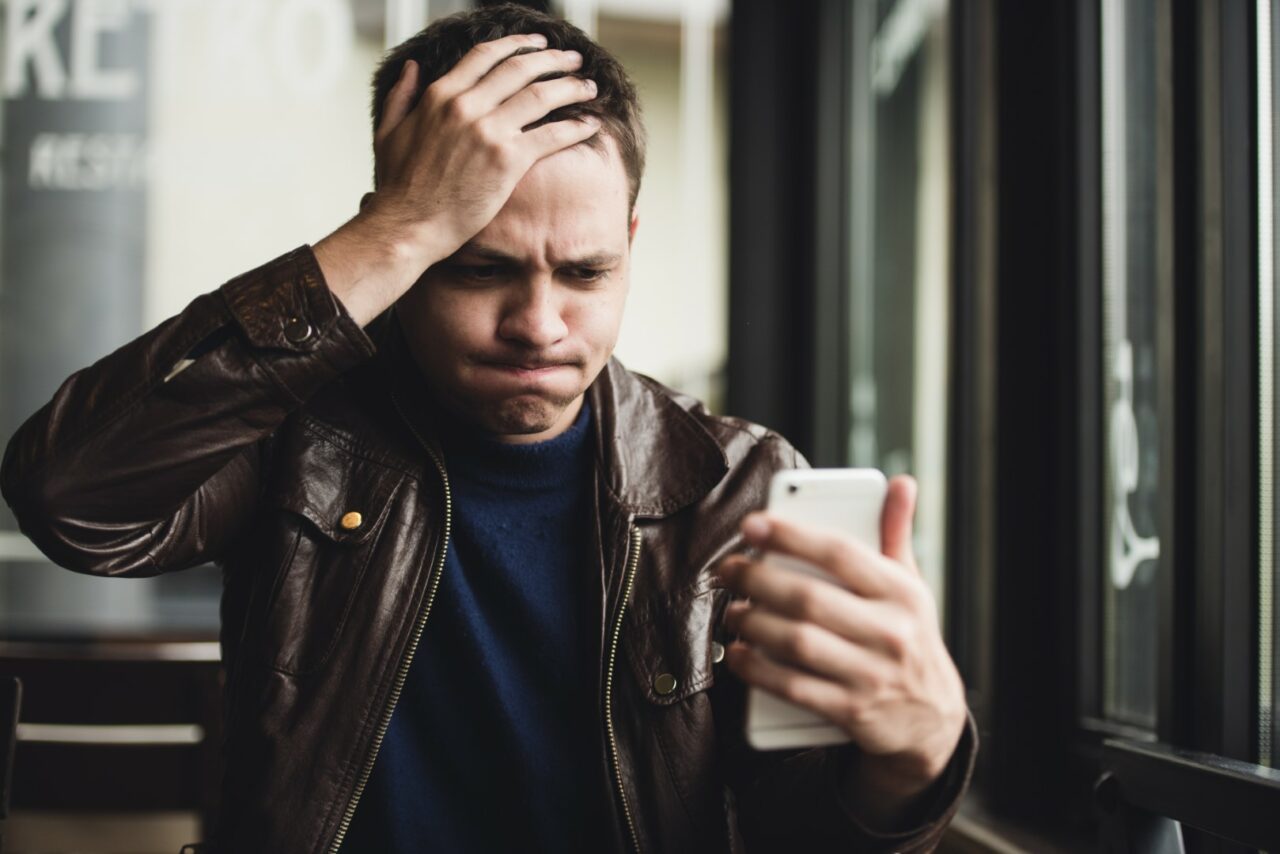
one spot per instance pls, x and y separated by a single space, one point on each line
633 562
403 673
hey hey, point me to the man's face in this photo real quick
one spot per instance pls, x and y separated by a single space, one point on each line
512 328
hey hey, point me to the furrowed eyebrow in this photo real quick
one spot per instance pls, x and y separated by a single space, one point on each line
601 260
497 256
485 252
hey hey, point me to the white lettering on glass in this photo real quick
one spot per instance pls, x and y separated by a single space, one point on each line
1129 549
29 39
313 41
86 161
300 45
88 79
235 30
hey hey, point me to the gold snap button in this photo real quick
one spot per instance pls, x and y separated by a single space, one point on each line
352 520
664 684
717 652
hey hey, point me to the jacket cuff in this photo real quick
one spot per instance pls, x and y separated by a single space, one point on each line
933 816
301 333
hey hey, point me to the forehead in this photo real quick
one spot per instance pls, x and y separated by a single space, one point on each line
573 201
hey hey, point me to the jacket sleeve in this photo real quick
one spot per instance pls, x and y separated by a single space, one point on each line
148 460
793 800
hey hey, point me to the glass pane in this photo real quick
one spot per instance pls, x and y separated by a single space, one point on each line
900 253
154 150
1132 440
676 323
1268 568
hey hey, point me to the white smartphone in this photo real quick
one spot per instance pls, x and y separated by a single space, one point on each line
844 501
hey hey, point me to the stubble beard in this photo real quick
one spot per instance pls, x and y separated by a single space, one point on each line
524 414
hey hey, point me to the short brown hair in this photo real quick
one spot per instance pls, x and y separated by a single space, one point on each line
440 46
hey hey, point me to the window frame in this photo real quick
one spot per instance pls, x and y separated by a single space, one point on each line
1207 322
1027 413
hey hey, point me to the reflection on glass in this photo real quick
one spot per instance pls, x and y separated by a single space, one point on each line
153 150
1132 440
1268 569
676 324
900 250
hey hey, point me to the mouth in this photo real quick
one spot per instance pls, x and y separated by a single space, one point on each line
527 369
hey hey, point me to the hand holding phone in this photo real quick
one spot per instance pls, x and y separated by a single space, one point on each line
843 501
865 661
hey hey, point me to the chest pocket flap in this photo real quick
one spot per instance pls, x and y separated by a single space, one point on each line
344 496
674 644
329 505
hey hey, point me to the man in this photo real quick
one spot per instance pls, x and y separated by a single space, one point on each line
478 575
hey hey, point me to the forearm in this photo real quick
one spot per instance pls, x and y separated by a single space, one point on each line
126 441
802 801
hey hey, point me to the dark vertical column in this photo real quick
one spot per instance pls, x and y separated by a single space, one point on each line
972 451
1037 412
771 263
72 236
789 107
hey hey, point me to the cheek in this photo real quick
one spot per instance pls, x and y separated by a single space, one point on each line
599 319
446 318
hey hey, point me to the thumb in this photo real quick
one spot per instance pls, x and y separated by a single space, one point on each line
895 520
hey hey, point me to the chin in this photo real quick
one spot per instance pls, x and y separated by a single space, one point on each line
523 416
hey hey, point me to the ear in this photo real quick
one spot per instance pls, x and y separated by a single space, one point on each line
631 229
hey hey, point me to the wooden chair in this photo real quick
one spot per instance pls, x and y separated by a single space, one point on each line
116 727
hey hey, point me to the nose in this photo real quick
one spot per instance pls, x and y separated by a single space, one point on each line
532 316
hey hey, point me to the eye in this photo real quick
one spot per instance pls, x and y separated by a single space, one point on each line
475 274
479 272
587 274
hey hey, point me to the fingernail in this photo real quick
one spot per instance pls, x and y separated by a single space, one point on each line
591 86
573 56
755 526
538 39
404 69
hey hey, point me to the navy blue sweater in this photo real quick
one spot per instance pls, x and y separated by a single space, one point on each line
495 744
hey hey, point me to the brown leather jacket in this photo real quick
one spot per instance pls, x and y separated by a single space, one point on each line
290 418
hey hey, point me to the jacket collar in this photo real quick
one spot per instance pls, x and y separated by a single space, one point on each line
655 457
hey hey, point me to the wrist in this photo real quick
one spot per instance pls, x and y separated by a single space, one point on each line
398 233
888 792
371 260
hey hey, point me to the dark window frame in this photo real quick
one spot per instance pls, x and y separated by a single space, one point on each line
1207 690
1027 414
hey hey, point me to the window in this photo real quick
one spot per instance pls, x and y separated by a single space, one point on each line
154 150
1268 20
677 311
1103 319
899 247
1131 248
